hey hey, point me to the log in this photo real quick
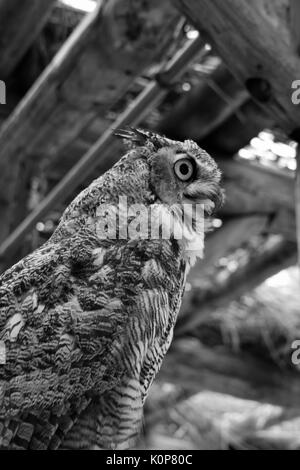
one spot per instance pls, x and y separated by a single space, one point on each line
20 24
245 35
91 72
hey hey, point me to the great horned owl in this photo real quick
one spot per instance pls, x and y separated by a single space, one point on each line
85 321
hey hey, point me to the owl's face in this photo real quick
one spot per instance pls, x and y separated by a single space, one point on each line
183 173
180 172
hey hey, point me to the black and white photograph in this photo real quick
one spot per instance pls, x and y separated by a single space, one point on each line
149 227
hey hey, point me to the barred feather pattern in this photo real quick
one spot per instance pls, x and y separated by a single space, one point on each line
85 323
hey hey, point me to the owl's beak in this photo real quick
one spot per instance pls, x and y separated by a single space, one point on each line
218 198
209 194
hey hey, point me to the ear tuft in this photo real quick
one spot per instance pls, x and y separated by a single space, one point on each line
140 138
135 136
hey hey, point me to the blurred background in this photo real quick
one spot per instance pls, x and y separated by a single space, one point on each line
219 73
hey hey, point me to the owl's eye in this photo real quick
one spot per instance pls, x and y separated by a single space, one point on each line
184 169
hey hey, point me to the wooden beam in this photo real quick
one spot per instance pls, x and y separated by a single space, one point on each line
20 24
94 68
253 39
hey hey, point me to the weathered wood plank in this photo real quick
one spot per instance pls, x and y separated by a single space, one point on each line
91 71
20 24
254 40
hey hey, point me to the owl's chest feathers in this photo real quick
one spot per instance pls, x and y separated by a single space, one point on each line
186 225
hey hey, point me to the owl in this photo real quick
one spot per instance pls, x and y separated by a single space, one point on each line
86 319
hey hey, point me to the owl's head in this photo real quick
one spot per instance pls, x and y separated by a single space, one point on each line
180 172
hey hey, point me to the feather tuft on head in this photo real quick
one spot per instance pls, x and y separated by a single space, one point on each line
140 138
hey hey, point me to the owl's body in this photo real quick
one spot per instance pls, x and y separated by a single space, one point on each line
85 320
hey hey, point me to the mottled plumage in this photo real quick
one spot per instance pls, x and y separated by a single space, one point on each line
85 322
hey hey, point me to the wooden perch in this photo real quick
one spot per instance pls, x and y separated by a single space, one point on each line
253 39
91 72
20 24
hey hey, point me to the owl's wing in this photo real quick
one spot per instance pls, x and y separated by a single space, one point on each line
60 336
114 421
78 320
